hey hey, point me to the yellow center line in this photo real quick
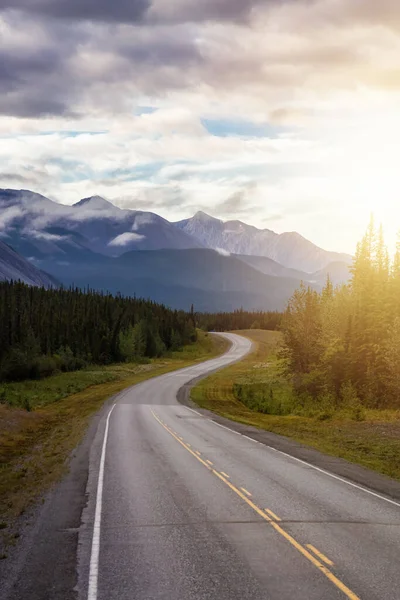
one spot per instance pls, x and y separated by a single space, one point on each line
332 578
224 474
273 515
209 462
320 555
197 452
246 491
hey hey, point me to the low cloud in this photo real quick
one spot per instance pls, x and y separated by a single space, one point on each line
126 238
45 235
222 252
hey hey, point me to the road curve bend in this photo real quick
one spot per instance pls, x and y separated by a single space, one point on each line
181 508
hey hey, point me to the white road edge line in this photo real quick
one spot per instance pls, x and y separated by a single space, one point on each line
223 427
358 487
94 556
249 438
194 411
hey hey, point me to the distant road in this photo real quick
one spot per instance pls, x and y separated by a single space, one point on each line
181 508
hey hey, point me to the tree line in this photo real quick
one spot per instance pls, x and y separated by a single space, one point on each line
44 331
342 346
239 319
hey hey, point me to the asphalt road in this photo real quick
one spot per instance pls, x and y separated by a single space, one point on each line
181 508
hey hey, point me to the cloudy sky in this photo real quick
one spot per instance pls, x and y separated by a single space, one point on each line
283 113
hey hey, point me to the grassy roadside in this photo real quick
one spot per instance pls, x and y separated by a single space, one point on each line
373 442
35 444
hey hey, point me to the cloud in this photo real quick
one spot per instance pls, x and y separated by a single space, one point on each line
126 238
207 10
140 11
92 10
45 235
142 220
238 202
8 215
222 252
16 177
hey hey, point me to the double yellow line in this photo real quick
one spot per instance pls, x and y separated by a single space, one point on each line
303 550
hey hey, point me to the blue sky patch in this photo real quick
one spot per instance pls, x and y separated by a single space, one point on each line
240 128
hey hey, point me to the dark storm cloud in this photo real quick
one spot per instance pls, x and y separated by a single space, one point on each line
120 11
134 47
30 82
136 11
207 10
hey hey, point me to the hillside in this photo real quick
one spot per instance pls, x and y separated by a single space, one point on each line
339 272
204 277
15 267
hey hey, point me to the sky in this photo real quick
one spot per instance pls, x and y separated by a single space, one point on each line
282 113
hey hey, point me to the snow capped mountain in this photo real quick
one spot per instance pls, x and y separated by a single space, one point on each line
38 227
289 249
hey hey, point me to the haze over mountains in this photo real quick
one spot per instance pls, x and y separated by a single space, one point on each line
215 265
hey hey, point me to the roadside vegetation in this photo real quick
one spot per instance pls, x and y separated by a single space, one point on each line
330 377
342 346
258 391
35 443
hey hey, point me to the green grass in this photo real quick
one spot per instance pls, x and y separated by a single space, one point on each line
35 444
242 393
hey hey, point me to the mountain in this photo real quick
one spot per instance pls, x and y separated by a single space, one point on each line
289 249
271 267
13 266
206 278
38 227
339 272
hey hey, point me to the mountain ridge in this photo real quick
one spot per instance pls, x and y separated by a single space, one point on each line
290 249
15 267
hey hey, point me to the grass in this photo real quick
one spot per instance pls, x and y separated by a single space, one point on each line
240 391
35 443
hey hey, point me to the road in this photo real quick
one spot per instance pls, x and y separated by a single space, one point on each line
182 508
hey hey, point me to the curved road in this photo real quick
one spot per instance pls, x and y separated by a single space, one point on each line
182 508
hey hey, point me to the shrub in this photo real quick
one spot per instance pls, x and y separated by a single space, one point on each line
16 366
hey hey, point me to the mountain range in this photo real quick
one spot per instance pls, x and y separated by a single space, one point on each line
202 260
288 249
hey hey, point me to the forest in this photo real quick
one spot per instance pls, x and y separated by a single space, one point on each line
239 319
45 331
342 346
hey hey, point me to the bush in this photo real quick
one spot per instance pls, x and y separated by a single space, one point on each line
16 366
263 397
43 366
3 396
351 402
